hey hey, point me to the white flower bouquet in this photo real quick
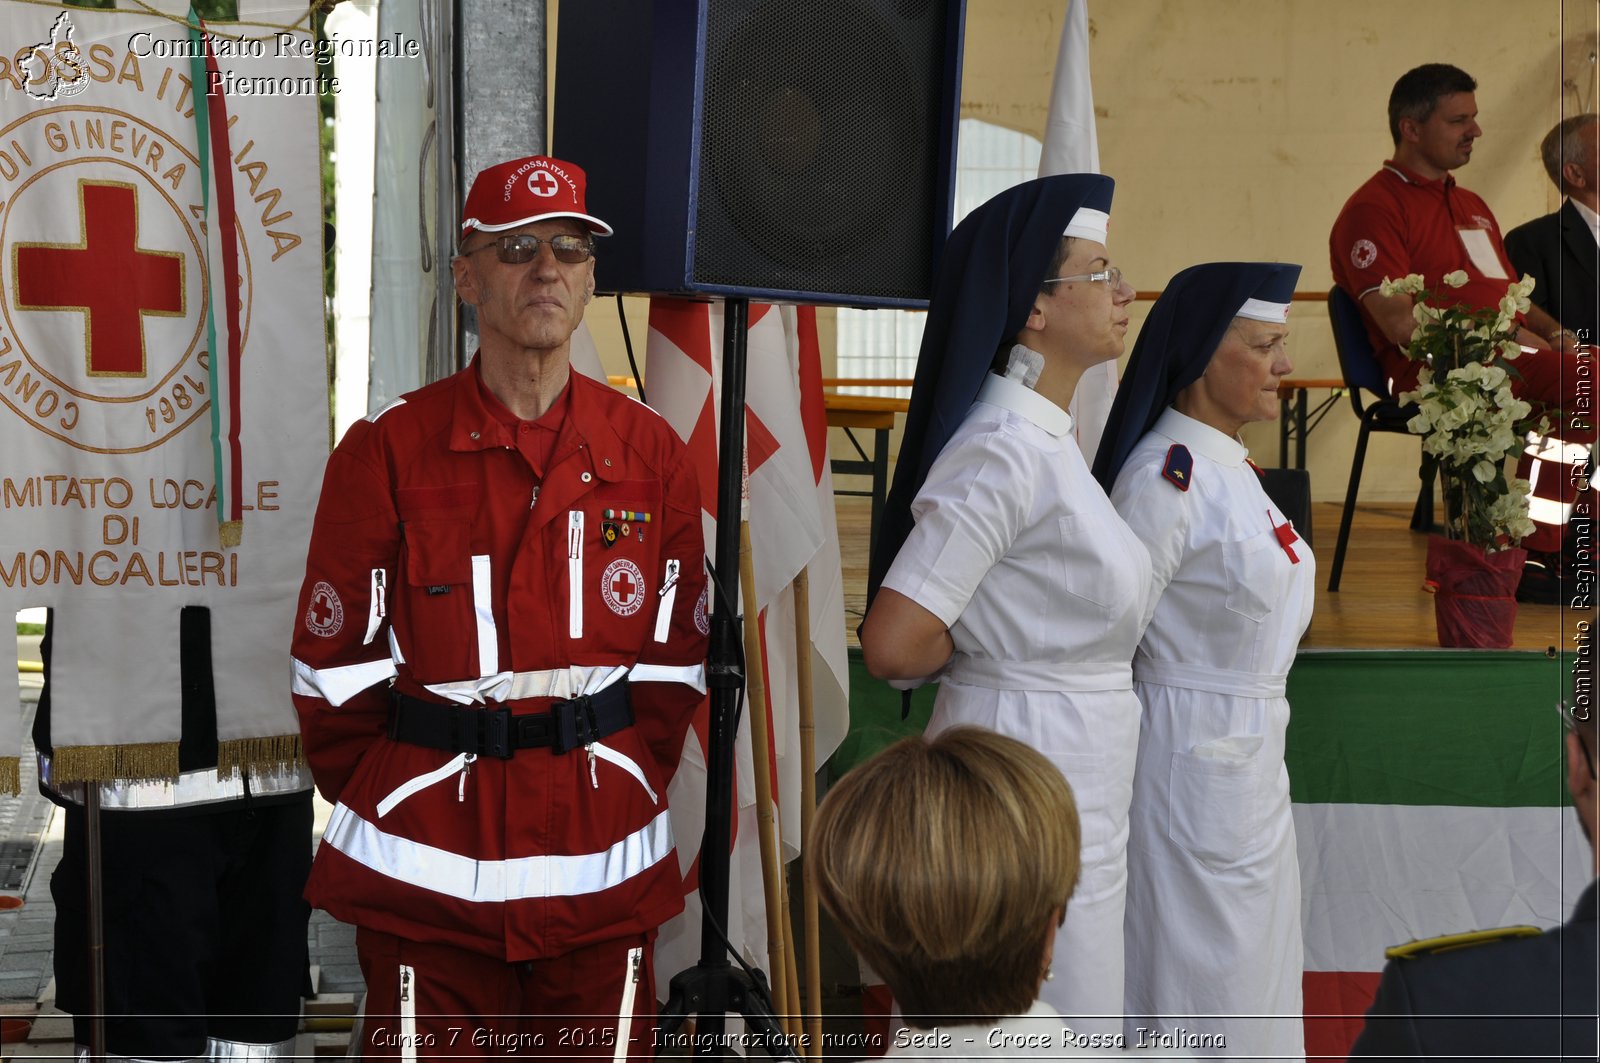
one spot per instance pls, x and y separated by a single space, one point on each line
1468 418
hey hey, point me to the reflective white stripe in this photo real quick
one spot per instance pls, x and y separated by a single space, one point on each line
1548 510
693 675
408 1013
338 685
498 881
630 985
668 593
626 763
394 647
421 782
563 683
373 417
483 609
575 574
376 607
217 1050
1549 448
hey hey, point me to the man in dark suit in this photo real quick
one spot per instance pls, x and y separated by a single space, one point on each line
1562 250
1532 997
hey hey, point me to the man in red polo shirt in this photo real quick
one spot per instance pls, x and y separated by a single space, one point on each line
1412 217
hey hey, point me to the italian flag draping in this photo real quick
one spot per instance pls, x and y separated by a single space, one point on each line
1429 798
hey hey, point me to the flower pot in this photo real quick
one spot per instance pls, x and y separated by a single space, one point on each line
1475 593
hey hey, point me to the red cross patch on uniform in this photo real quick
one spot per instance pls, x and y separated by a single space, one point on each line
1179 466
324 613
622 587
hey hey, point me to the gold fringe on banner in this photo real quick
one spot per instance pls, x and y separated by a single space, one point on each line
272 753
148 760
11 775
232 531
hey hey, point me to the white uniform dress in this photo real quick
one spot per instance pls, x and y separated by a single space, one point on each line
1213 920
1045 591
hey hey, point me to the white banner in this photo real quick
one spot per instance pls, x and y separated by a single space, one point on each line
109 333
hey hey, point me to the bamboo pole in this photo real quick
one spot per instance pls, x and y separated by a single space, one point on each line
808 808
755 707
791 974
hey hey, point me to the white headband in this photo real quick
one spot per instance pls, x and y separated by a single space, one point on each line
1088 224
1258 310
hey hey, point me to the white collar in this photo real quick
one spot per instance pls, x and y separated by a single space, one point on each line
1027 403
1201 437
1589 216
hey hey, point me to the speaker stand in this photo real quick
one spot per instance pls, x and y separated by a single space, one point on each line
714 987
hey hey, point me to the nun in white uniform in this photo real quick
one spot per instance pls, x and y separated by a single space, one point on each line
1214 954
1018 587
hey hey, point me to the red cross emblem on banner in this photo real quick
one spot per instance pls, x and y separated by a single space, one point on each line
107 276
624 587
541 183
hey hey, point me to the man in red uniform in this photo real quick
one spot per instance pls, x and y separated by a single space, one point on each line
1412 217
496 657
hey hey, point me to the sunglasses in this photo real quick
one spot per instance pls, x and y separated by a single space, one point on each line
514 250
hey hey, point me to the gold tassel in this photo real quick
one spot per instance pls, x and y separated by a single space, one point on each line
231 531
271 753
11 775
149 760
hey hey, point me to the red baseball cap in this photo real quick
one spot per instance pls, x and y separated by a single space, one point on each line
526 190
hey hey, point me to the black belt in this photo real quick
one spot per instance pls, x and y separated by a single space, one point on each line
499 733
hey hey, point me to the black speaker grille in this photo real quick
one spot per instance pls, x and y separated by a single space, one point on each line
819 150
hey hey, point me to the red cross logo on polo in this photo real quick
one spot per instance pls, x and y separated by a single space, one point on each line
103 341
325 614
541 184
622 587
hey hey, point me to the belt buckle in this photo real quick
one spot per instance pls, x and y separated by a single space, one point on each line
575 724
494 733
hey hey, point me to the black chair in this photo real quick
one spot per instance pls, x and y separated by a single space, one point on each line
1359 367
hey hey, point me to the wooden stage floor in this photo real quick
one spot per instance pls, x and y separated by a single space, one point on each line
1380 604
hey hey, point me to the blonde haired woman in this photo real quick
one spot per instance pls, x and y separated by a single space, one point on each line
947 863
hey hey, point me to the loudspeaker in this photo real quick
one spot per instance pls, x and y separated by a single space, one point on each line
786 150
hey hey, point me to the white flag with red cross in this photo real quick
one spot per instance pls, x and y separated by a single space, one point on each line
792 527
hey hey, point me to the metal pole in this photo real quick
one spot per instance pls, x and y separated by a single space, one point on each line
97 931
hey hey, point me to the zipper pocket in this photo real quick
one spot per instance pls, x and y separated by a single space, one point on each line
630 987
408 1014
575 574
377 608
461 762
668 592
599 751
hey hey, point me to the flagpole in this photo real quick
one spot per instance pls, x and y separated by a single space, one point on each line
713 987
97 925
755 667
808 806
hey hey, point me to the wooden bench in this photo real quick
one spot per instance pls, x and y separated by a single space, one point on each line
1296 417
872 413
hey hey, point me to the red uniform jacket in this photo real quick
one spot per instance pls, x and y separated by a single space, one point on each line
440 560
